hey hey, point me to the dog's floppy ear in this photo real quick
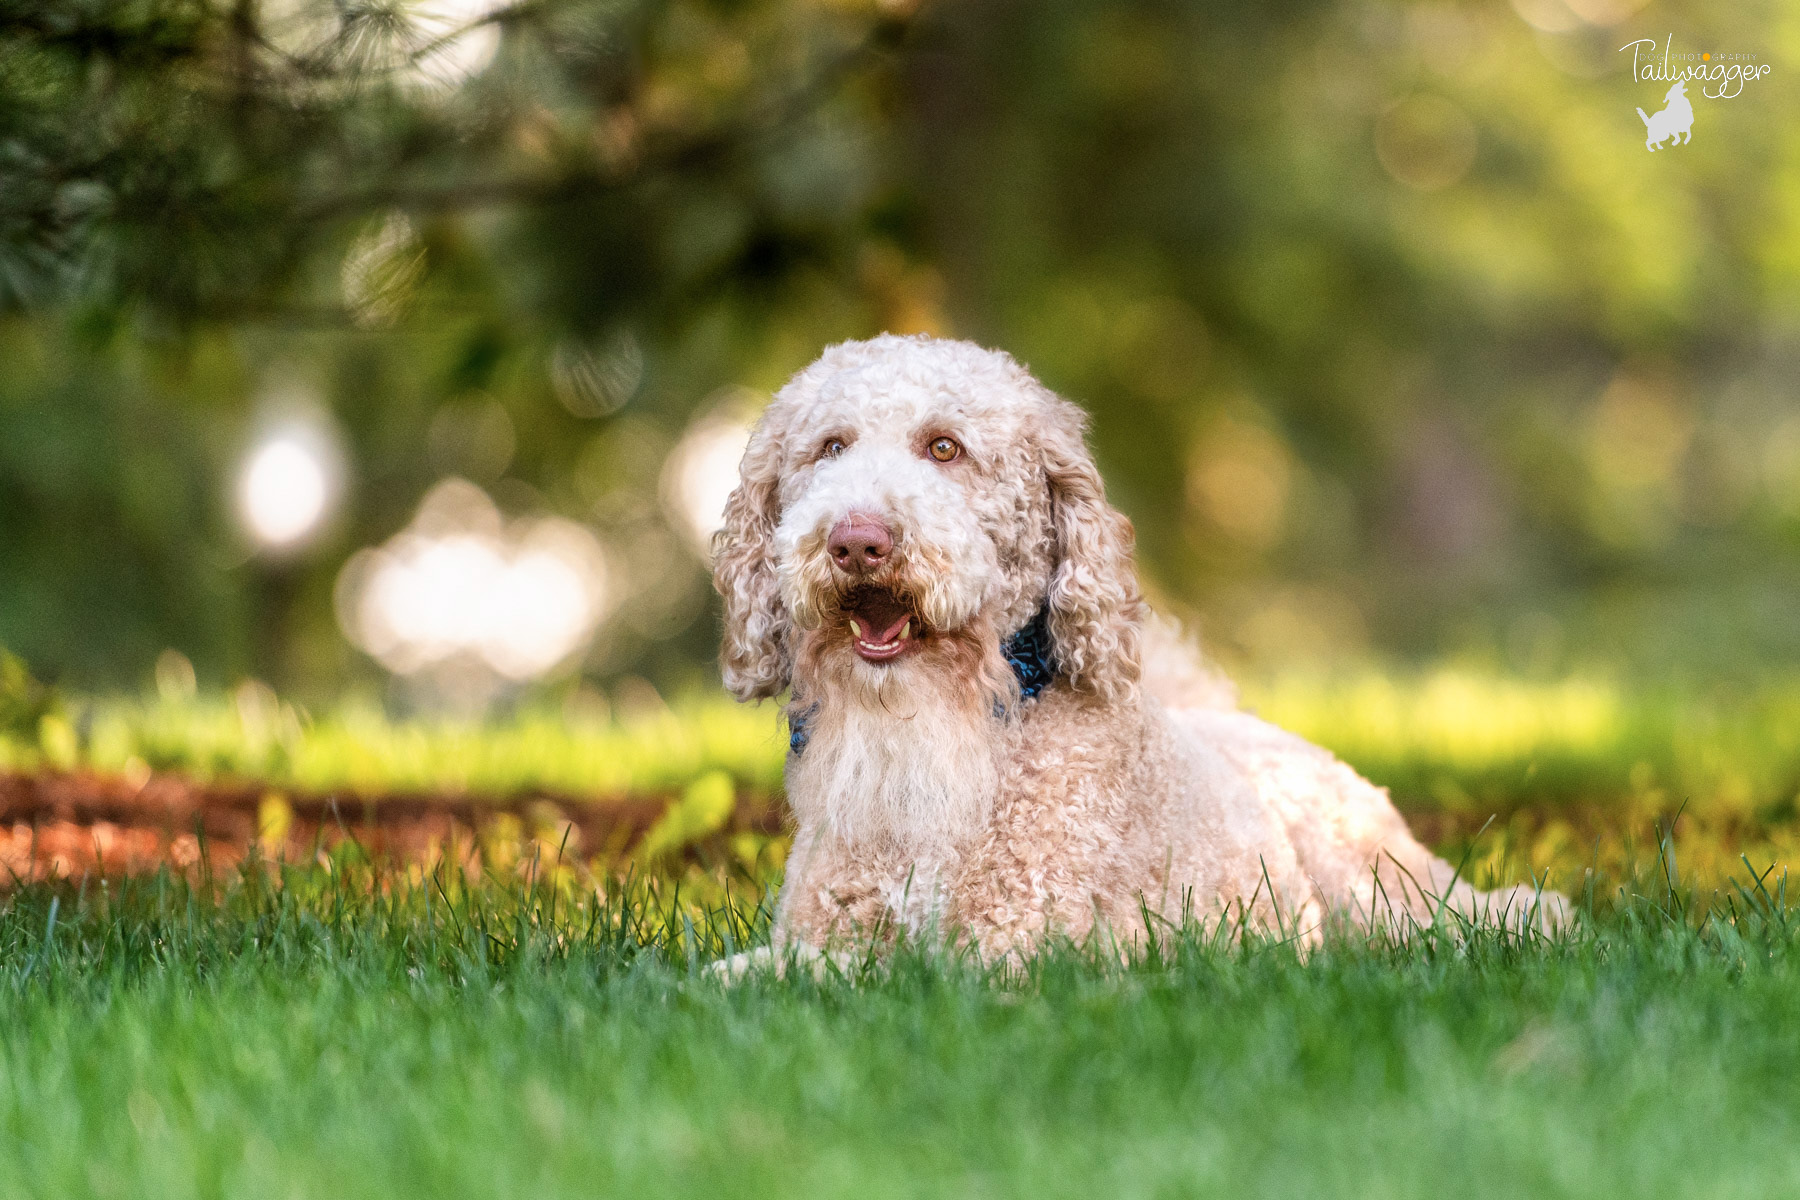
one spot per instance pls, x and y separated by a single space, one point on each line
1096 610
755 656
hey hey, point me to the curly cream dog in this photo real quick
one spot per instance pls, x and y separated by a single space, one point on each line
992 738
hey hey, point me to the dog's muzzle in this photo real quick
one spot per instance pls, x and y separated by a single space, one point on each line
883 624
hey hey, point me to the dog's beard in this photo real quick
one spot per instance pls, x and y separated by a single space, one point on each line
902 756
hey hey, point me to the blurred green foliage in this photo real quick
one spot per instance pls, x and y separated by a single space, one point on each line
1395 338
563 751
1455 744
24 701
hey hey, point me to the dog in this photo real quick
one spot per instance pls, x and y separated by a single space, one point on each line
992 739
1675 119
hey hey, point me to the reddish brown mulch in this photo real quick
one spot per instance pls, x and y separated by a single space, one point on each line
67 824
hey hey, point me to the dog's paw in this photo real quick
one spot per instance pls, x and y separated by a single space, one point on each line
778 961
730 970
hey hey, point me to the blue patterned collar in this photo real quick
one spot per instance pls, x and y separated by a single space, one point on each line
1027 652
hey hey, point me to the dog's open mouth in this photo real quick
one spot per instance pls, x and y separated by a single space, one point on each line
882 624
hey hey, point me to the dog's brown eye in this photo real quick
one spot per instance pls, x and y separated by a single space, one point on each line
832 449
945 450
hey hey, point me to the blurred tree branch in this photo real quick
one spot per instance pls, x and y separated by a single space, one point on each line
123 185
709 149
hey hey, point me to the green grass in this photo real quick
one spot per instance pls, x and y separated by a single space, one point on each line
323 1038
346 1032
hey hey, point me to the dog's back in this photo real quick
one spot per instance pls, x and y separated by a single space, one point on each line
1176 672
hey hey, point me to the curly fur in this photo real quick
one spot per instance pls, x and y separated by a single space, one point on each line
930 794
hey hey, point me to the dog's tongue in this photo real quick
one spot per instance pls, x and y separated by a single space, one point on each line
881 614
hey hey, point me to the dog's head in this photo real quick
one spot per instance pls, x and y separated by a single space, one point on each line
1678 92
904 504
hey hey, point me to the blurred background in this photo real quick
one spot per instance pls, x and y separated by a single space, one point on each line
410 347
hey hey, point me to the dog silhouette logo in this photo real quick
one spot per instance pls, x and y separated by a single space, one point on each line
1675 120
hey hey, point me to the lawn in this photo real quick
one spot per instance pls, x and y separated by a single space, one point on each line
347 1027
323 1039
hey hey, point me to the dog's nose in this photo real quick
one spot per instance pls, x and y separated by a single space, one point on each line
859 544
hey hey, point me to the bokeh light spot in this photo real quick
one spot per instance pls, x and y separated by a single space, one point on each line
1425 142
284 491
461 584
701 473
